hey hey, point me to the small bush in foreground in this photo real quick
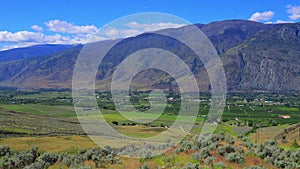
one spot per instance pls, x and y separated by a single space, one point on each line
191 166
235 158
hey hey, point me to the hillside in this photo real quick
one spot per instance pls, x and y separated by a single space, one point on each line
267 61
30 52
255 56
50 71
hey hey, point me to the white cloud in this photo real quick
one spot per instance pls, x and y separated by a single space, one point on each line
111 32
31 37
130 32
26 38
294 12
120 33
282 21
134 28
85 38
69 33
66 27
37 28
262 16
153 26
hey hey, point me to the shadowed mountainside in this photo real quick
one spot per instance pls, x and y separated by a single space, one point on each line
255 56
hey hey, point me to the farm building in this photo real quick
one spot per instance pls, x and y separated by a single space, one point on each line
285 117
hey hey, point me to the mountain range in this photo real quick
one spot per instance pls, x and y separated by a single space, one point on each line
255 56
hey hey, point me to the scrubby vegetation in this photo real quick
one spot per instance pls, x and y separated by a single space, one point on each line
213 151
33 159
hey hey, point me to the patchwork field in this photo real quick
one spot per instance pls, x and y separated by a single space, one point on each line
48 120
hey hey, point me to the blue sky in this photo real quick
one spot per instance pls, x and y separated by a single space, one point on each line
30 22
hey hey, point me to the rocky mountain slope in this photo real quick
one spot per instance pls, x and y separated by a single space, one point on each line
255 56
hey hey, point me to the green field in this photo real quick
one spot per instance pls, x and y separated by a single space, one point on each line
60 111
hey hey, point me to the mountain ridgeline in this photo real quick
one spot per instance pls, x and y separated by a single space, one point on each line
255 56
32 51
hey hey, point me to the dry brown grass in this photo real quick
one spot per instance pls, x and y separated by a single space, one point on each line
270 133
50 144
140 131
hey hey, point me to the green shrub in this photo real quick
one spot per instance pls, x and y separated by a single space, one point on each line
180 149
202 154
271 143
240 150
5 150
50 158
229 140
248 144
245 139
67 161
81 150
186 145
201 142
225 149
222 136
235 158
221 151
88 154
214 145
295 144
256 167
295 156
219 165
210 161
24 158
40 164
214 138
229 149
118 161
205 152
191 166
144 166
8 162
